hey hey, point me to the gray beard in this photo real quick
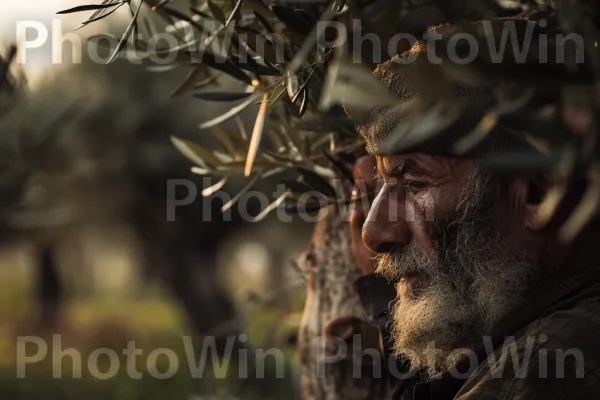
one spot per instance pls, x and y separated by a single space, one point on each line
475 277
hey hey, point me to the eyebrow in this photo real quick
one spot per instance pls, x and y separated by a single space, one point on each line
403 167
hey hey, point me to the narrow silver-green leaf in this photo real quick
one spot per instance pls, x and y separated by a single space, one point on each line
309 43
226 140
276 94
188 82
229 114
209 191
196 153
99 14
238 196
128 31
233 12
222 96
292 84
89 21
242 129
216 11
263 214
88 7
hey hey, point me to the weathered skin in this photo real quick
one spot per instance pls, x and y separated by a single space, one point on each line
436 183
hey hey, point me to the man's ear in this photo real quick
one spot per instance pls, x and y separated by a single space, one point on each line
537 192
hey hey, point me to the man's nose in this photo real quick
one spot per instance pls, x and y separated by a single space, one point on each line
386 226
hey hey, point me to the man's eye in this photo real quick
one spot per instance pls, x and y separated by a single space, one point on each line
415 186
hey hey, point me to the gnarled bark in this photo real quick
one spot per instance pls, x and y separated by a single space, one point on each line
332 315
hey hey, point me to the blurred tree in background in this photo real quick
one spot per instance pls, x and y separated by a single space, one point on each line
90 148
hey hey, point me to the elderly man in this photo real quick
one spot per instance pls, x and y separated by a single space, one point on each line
475 294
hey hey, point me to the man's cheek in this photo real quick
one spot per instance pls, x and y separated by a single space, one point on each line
422 205
418 208
440 203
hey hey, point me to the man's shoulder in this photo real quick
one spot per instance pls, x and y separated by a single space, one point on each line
576 326
554 357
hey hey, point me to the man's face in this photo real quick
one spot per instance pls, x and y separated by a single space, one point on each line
446 234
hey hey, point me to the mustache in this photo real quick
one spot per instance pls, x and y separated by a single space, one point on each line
400 262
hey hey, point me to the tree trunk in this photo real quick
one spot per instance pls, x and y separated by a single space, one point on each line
49 289
332 316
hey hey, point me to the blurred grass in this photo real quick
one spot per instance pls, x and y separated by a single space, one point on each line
151 319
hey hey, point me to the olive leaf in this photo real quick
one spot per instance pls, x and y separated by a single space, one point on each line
209 191
342 169
229 114
421 126
181 16
259 44
101 13
216 11
354 86
316 181
264 213
200 13
257 133
222 96
293 19
213 79
190 80
160 4
227 206
130 28
264 22
489 122
241 128
258 7
196 153
90 7
292 84
234 12
276 94
220 63
309 43
227 140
